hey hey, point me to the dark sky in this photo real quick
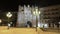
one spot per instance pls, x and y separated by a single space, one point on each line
8 4
13 4
39 2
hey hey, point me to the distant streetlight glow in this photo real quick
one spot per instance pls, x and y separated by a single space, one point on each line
0 20
59 22
45 25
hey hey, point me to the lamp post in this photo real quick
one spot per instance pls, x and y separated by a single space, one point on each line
36 13
9 15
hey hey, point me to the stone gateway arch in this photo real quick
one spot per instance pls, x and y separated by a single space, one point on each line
25 14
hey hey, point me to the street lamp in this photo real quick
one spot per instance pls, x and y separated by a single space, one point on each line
9 15
36 13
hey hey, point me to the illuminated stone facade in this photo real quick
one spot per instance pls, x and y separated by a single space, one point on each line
25 13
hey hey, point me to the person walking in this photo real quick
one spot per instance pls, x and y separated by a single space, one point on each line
9 25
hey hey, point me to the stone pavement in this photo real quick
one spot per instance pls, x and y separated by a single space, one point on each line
48 31
4 30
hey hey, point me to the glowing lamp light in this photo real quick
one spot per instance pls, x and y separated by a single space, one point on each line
28 6
0 20
39 12
9 14
59 22
45 25
34 12
38 24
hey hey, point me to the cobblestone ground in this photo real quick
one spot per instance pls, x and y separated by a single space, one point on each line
4 30
48 31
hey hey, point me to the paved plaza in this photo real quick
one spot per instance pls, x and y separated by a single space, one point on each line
4 30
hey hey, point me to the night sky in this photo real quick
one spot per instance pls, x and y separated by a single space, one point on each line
13 4
8 4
